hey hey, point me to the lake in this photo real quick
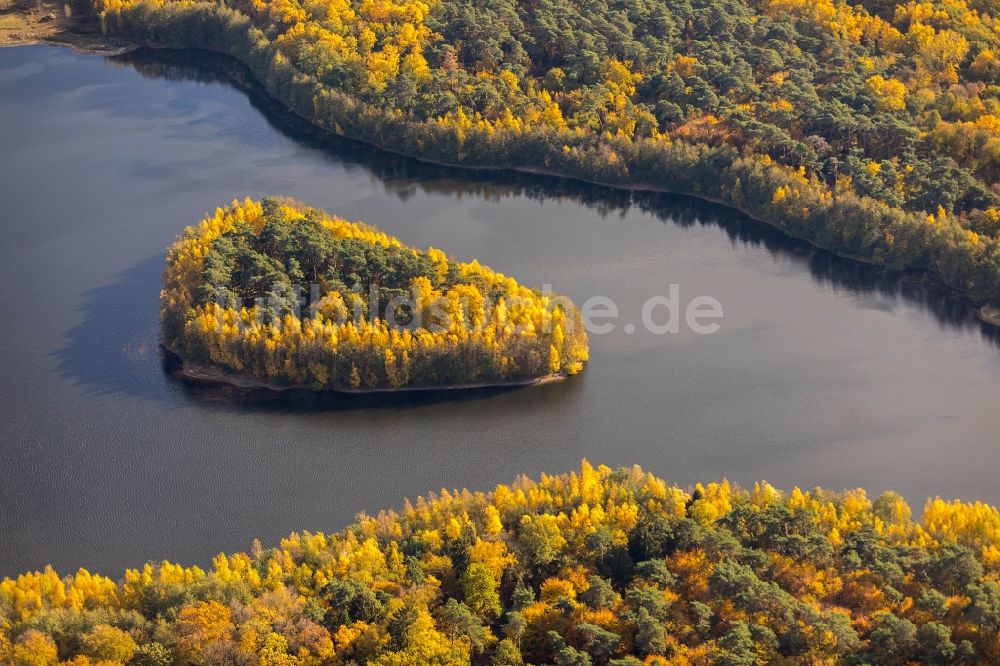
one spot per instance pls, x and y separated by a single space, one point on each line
823 371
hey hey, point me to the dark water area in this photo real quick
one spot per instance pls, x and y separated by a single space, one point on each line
823 372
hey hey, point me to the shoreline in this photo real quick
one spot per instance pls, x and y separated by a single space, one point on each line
101 45
989 315
55 23
201 373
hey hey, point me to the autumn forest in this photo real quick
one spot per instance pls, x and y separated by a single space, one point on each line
591 568
867 131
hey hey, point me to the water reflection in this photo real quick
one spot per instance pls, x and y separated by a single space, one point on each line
404 177
257 401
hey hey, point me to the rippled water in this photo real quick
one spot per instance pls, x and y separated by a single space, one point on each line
824 372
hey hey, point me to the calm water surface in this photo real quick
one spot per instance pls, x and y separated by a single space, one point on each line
823 372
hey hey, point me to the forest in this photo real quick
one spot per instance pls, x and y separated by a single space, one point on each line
869 128
290 294
595 567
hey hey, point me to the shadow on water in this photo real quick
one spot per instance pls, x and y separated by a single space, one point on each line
114 349
403 177
304 401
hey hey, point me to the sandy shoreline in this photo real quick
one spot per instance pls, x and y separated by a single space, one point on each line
989 315
201 373
82 45
23 23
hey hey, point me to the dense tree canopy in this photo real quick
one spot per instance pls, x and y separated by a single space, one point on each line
596 567
870 128
283 292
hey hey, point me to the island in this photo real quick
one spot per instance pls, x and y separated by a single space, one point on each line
598 567
278 295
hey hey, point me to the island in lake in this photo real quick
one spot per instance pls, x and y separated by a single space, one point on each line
279 295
